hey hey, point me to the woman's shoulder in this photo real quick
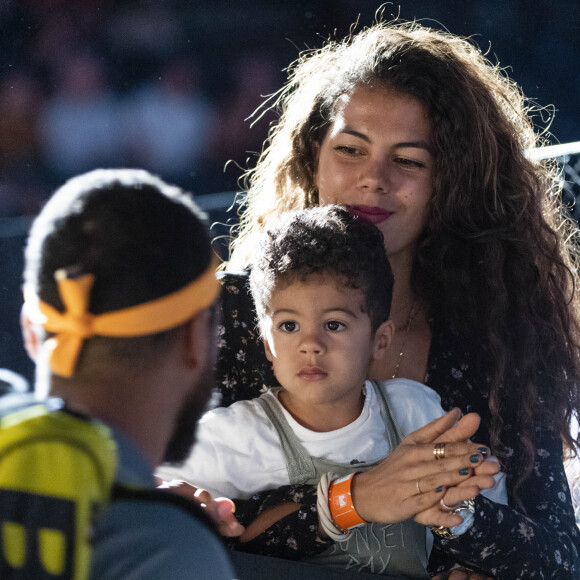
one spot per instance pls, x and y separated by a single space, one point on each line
234 282
235 299
242 369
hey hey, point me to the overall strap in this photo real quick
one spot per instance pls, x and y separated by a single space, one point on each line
298 460
393 432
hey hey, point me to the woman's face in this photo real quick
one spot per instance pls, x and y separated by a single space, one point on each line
376 159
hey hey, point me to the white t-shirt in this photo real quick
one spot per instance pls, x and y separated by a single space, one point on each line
238 451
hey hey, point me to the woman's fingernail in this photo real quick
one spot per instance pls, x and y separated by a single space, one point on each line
474 458
484 451
464 471
439 489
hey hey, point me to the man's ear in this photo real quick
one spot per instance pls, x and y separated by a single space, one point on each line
29 334
200 342
383 338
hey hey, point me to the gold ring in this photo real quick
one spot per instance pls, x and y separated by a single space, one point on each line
439 451
418 488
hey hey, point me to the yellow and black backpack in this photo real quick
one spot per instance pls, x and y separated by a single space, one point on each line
57 476
57 471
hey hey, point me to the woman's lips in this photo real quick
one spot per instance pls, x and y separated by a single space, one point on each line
312 374
372 214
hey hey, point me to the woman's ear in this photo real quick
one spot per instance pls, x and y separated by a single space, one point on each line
383 338
316 157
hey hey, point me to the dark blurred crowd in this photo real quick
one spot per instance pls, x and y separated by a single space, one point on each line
87 84
170 85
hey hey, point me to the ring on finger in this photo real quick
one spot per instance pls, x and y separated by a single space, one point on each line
448 508
418 488
439 451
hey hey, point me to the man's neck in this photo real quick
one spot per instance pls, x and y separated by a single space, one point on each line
141 419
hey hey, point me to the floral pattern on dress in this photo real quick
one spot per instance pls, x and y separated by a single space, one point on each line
540 541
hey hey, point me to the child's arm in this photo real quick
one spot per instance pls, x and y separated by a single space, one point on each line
220 510
236 454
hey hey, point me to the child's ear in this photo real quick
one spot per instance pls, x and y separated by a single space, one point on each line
383 338
269 355
267 348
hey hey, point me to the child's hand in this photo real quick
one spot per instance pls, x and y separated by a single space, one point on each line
220 510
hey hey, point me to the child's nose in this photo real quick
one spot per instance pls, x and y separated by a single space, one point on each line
312 343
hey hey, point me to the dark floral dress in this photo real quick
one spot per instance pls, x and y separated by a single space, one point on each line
539 541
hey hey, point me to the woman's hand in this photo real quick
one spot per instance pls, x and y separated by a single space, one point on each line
220 510
410 480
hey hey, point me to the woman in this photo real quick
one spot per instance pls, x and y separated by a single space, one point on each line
415 131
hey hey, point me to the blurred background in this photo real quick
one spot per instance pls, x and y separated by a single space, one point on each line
171 86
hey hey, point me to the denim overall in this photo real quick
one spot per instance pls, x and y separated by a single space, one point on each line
393 550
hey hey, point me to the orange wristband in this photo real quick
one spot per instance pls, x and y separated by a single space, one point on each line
340 501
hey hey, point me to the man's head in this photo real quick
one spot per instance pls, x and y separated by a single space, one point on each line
133 241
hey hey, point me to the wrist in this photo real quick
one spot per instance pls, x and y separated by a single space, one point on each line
359 493
464 509
341 503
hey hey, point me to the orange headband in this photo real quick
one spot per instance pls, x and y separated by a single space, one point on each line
76 323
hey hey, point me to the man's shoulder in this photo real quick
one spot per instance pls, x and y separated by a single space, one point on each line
158 538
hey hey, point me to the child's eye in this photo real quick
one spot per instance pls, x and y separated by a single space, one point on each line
335 326
288 326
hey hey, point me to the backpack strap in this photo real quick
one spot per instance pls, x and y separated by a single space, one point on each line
122 492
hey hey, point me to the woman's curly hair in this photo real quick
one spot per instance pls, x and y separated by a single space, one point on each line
498 257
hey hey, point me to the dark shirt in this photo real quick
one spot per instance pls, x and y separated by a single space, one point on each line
538 539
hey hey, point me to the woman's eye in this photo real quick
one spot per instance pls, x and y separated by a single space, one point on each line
335 326
347 150
409 162
288 326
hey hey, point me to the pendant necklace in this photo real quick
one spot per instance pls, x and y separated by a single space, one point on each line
412 313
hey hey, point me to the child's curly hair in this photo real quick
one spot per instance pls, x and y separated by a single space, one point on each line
324 241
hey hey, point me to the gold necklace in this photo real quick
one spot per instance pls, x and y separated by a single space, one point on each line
412 313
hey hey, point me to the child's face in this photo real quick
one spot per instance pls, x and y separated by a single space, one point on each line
320 343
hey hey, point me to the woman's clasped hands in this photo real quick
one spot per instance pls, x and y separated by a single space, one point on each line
432 470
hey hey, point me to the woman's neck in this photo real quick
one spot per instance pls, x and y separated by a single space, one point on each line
408 354
403 297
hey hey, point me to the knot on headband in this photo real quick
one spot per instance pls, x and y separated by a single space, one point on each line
76 323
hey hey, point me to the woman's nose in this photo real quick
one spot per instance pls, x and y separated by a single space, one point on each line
375 176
